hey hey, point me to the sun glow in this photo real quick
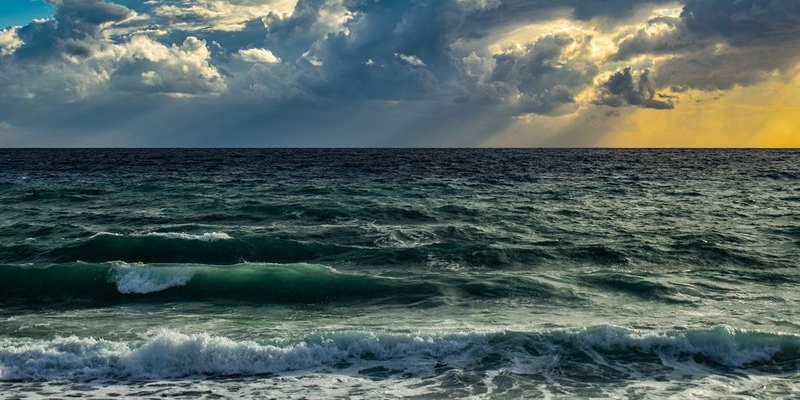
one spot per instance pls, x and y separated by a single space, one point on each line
763 115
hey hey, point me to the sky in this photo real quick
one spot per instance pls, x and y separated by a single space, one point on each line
410 73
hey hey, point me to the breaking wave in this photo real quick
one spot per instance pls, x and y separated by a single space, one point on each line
607 350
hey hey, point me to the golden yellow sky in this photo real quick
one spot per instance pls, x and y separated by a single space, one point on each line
763 115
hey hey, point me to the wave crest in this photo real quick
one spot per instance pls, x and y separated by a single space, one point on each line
138 278
208 237
170 354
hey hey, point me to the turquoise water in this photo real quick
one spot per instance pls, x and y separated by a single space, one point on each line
400 273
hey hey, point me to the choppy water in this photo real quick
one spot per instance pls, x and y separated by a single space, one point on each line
399 273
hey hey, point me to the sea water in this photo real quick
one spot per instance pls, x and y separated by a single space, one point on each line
400 273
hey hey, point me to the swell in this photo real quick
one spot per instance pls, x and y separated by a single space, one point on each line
387 249
364 243
252 282
79 284
331 212
637 286
368 247
599 353
173 247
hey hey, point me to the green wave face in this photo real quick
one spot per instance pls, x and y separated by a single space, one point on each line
258 283
273 283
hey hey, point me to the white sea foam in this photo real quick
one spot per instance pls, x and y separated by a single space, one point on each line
310 386
139 278
208 237
204 237
104 233
722 343
400 237
170 354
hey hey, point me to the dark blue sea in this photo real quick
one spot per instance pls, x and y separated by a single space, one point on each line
362 273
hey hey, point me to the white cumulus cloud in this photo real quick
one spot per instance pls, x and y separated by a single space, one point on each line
179 70
9 41
410 59
258 55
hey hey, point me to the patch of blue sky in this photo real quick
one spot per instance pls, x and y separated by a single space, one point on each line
21 12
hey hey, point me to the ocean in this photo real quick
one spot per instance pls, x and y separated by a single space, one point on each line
399 273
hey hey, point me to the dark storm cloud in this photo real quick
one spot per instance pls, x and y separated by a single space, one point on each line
362 58
64 58
509 12
585 10
744 22
86 16
623 89
538 76
670 38
74 29
719 44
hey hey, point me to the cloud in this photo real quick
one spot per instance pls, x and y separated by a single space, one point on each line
744 22
616 9
77 29
186 60
216 15
543 77
718 44
256 55
88 16
623 89
477 5
174 70
660 35
9 41
5 127
411 60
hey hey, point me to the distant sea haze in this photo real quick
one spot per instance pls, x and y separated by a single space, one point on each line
390 273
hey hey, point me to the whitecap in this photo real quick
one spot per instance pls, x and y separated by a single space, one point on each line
104 233
141 279
208 237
